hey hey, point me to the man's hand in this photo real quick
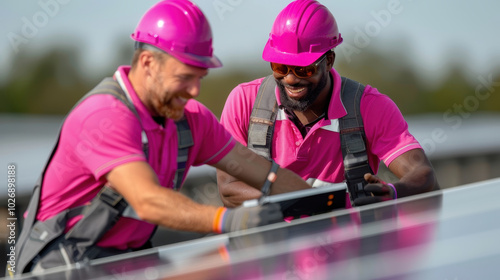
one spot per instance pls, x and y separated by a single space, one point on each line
380 190
247 217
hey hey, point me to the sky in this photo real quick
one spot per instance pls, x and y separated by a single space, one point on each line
428 32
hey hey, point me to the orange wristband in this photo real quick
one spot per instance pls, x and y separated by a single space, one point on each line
217 223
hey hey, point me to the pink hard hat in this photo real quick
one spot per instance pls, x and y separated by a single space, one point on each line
301 33
179 28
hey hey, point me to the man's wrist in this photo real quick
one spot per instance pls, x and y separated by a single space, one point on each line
218 221
270 179
395 196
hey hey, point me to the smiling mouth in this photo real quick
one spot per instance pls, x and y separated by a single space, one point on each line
181 101
295 92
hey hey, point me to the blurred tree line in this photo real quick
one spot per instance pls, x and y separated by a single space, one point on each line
51 82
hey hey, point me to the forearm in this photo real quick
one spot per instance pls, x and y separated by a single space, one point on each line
288 181
419 180
153 203
252 169
234 192
415 172
174 210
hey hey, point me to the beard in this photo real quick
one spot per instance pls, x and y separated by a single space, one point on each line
302 104
165 108
161 101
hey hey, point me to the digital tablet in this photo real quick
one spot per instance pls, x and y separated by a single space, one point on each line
307 202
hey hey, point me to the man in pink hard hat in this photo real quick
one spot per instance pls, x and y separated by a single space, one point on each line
125 148
326 128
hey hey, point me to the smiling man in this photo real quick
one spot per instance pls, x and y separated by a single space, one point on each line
307 118
125 148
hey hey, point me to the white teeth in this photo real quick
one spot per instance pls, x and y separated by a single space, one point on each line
295 90
183 99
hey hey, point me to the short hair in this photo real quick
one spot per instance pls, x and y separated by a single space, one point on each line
158 54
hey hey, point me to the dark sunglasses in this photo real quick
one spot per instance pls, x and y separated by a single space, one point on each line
301 72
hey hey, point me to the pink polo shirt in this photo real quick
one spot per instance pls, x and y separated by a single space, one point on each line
318 155
101 133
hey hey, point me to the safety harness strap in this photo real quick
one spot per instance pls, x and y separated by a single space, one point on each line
261 126
185 141
352 139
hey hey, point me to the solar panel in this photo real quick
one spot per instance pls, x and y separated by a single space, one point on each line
449 234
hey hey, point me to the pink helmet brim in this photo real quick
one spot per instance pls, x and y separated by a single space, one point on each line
197 60
297 59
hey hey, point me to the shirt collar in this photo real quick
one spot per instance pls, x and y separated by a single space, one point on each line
336 108
121 76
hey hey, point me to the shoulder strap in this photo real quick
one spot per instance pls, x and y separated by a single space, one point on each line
110 86
185 141
352 138
261 126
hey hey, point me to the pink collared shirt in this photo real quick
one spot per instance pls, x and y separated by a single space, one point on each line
101 133
318 155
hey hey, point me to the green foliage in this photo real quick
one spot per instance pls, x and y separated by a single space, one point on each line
391 74
216 88
52 82
48 84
